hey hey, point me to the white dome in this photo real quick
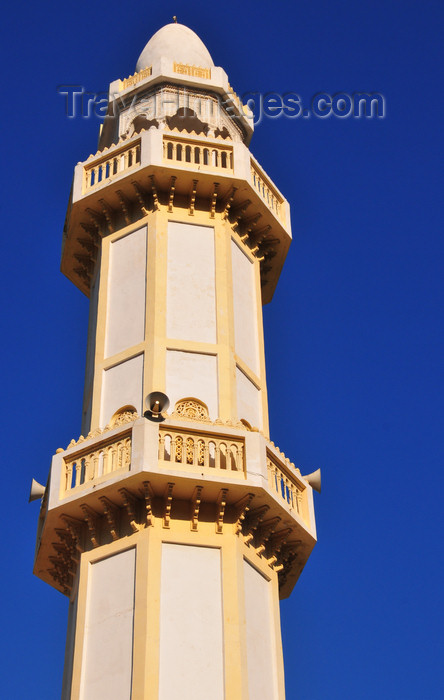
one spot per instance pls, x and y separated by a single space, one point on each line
177 42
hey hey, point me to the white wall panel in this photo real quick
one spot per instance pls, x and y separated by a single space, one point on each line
245 309
249 404
125 322
122 386
191 288
261 650
192 374
108 646
191 624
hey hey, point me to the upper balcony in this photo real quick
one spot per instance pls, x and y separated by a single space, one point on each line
157 169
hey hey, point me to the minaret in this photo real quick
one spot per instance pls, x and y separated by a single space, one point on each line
174 534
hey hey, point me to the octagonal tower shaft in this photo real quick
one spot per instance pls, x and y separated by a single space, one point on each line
174 540
176 307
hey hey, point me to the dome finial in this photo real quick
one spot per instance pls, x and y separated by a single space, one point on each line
175 19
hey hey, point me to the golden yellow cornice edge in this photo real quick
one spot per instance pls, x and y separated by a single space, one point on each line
182 414
116 421
193 71
135 78
283 457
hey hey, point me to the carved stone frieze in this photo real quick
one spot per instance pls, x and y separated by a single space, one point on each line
191 409
157 105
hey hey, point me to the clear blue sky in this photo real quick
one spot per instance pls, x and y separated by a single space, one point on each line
354 334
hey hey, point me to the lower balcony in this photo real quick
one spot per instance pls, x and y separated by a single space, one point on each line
136 474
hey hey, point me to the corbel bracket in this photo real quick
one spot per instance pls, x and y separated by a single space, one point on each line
130 503
140 194
125 206
220 505
193 198
112 516
92 520
148 495
213 200
168 502
195 507
171 194
242 506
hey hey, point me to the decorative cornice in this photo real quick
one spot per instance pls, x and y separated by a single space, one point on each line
193 71
135 78
284 458
117 420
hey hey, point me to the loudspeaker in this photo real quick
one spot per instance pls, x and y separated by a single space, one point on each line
314 479
37 491
155 403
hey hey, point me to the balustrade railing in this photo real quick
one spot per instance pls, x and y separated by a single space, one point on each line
285 486
203 451
266 191
85 466
109 166
194 154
